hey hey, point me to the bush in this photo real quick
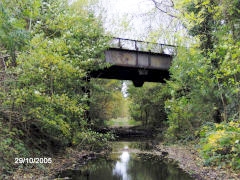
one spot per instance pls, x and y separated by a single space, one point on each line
220 144
91 140
11 147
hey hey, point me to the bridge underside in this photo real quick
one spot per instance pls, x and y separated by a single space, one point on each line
137 75
136 65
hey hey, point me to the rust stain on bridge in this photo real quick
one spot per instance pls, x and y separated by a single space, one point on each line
137 61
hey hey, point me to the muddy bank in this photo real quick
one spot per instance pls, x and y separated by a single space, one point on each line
189 160
186 157
69 159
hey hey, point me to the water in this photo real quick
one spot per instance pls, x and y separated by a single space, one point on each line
125 164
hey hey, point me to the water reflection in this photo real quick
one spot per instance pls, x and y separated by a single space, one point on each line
121 166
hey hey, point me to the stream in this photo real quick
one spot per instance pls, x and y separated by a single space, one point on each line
127 161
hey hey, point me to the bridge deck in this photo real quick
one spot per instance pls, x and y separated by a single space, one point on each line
137 61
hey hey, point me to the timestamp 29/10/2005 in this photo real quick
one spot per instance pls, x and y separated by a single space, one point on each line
33 160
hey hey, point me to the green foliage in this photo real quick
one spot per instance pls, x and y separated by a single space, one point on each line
220 144
190 88
11 147
204 83
15 24
91 140
107 101
51 74
147 104
44 91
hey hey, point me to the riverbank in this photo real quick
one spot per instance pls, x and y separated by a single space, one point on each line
69 159
188 159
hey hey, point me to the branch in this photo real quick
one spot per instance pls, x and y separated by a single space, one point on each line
165 12
172 3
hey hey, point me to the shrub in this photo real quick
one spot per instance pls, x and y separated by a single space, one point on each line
220 144
11 147
91 140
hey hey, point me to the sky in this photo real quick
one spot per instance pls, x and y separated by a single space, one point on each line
129 6
136 19
139 20
123 18
126 18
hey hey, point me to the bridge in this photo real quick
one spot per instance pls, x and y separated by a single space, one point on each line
138 61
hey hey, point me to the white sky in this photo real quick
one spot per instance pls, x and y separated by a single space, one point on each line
129 6
125 18
137 19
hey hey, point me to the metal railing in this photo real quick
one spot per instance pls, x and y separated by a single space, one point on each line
129 44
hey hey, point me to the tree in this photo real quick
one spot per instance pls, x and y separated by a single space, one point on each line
16 19
43 101
107 101
203 83
205 76
147 104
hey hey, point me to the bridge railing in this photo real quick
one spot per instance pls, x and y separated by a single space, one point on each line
129 44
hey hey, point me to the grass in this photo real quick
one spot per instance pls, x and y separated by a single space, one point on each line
123 122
